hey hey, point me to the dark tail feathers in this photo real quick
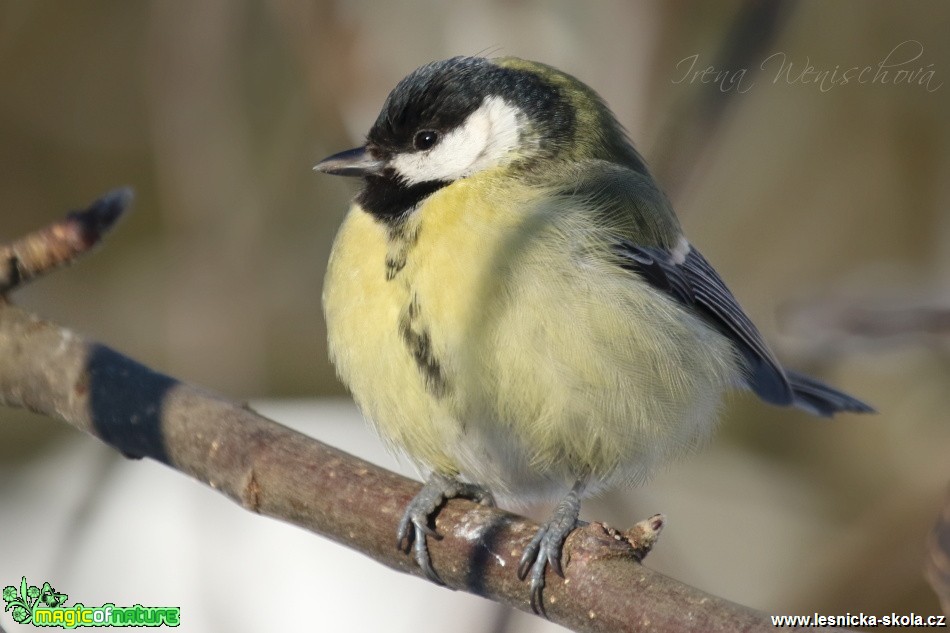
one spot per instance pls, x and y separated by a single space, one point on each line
818 398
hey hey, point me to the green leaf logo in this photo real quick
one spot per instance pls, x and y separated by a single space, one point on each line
9 594
50 597
21 601
21 615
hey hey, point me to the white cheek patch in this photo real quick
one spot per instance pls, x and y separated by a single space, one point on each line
482 141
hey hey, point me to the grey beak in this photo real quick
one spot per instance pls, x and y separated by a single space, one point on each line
352 162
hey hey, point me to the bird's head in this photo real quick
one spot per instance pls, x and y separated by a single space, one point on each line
452 119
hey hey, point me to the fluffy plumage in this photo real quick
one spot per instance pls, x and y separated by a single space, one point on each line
512 302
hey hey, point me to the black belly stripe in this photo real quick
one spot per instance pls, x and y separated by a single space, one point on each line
401 241
419 344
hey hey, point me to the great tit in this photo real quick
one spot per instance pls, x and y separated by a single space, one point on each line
513 304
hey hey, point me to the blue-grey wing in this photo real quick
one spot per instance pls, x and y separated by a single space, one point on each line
694 283
689 279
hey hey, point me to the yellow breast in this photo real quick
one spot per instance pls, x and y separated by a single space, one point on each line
491 336
391 291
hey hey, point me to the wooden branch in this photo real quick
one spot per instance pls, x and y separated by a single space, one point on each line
275 471
62 242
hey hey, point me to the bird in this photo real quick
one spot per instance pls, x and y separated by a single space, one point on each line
513 304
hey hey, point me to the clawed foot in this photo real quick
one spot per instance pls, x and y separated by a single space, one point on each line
547 545
414 526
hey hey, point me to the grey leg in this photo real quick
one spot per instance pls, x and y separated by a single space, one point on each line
545 548
414 526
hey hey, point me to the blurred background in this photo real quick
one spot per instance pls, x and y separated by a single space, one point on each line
825 206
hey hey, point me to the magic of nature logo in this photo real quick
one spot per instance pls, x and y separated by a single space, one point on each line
44 606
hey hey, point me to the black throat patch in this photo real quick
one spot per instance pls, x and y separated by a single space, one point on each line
388 199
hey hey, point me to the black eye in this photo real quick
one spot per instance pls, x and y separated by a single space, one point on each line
425 139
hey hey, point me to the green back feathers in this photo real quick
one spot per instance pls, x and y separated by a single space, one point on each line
600 168
596 133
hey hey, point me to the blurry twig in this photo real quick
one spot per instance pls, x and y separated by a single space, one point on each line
62 242
938 560
833 323
694 120
837 322
272 470
880 323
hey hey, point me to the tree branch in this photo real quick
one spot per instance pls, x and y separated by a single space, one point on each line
275 471
62 242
